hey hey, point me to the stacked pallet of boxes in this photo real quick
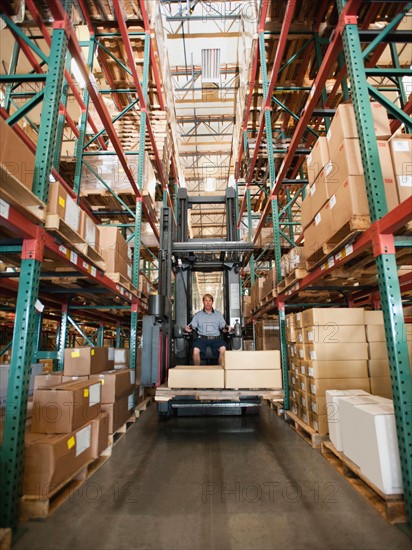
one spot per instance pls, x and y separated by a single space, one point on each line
247 307
242 370
293 260
378 362
336 202
293 373
256 292
68 431
332 353
267 334
115 251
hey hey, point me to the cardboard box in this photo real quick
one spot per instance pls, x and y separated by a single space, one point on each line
377 437
16 159
47 380
318 405
66 407
268 343
381 386
249 360
317 159
304 415
115 384
302 351
114 251
318 386
334 333
119 411
349 201
74 378
100 434
89 231
378 350
269 283
304 400
186 376
49 460
61 204
325 316
333 411
337 369
319 422
375 333
373 317
297 258
85 361
318 232
337 352
304 384
253 379
256 292
316 197
389 177
299 319
378 368
344 124
122 356
401 152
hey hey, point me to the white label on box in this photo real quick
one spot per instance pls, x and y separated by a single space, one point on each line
39 306
129 271
311 371
93 271
312 190
305 418
332 201
4 209
328 135
94 394
331 262
110 354
130 401
132 377
303 399
317 219
298 316
310 336
302 370
400 145
72 214
313 389
85 265
90 232
315 425
405 181
301 354
300 338
83 439
328 168
312 354
63 249
73 257
313 407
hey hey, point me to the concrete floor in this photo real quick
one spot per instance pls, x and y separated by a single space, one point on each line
218 483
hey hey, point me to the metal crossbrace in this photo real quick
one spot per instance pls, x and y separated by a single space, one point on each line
389 287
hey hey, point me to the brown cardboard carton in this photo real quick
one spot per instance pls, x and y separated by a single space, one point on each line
61 204
253 379
49 460
112 239
119 411
349 201
302 352
344 124
319 422
389 177
337 369
269 283
401 151
114 384
373 317
186 376
268 343
317 159
381 386
16 159
375 333
74 378
304 383
304 400
333 333
85 361
249 360
100 434
299 319
47 380
318 193
66 407
319 351
318 405
378 350
318 232
256 292
324 316
318 386
378 368
89 231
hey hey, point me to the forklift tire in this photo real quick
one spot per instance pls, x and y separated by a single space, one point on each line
164 410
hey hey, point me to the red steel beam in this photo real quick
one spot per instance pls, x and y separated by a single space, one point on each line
267 101
395 124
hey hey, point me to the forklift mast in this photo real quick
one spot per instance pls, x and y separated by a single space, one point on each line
164 342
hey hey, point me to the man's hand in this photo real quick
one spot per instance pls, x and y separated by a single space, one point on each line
188 328
229 328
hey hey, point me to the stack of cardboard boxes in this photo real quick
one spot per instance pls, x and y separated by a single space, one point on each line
253 370
256 292
115 251
337 190
294 259
267 334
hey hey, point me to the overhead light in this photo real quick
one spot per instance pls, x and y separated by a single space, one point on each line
210 184
77 74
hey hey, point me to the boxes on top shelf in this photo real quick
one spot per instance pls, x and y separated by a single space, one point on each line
341 316
16 158
317 159
86 360
114 251
60 203
401 152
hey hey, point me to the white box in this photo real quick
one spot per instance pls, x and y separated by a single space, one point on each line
379 460
333 412
352 436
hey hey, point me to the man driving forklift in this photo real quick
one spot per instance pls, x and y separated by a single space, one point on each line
208 323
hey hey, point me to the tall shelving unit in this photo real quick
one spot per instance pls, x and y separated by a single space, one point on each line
342 53
24 239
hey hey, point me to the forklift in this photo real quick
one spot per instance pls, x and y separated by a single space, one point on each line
165 343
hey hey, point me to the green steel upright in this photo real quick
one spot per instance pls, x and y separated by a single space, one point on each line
139 209
384 252
275 219
11 456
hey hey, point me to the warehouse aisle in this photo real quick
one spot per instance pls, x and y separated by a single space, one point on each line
218 483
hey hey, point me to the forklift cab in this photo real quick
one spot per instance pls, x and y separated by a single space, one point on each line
165 342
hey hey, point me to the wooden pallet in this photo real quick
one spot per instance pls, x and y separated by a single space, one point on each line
164 393
141 407
354 227
119 433
90 253
20 197
295 276
34 508
5 539
58 226
311 436
276 406
268 298
121 280
390 507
